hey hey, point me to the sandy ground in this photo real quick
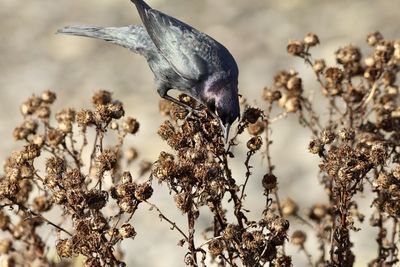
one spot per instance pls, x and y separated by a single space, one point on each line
33 58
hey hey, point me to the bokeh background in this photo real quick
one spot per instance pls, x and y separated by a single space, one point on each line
33 58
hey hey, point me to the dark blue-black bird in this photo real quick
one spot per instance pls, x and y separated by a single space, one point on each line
180 57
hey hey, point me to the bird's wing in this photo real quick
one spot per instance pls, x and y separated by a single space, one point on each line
178 42
133 37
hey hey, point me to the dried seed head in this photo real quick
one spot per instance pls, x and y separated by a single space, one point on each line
383 51
116 110
319 65
55 165
316 146
182 201
318 212
327 136
101 98
51 180
294 85
371 74
66 115
41 204
253 240
127 231
251 115
378 153
291 104
254 143
164 167
126 205
232 232
295 48
388 78
28 127
369 61
65 127
73 178
64 248
269 182
114 125
124 190
92 262
373 38
299 238
126 177
55 137
130 125
48 97
311 39
143 191
283 261
289 207
256 128
166 130
346 134
334 75
105 113
281 78
59 197
107 160
96 199
43 112
31 105
396 172
178 112
31 152
271 95
190 101
215 247
84 117
348 54
278 225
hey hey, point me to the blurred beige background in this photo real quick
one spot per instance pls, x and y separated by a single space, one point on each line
33 58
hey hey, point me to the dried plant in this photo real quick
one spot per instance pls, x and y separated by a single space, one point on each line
67 167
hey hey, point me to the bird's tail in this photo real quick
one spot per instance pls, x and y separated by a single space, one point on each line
141 7
133 37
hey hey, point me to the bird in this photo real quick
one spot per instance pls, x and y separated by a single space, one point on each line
181 58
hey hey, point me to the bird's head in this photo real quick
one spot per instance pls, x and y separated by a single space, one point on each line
220 95
227 109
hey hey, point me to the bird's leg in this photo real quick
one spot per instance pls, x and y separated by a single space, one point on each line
179 103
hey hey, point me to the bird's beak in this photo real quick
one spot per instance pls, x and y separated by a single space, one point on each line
226 128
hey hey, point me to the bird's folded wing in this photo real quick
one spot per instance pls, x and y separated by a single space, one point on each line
186 49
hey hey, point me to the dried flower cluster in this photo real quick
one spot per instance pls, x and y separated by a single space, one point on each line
77 187
357 140
198 174
358 144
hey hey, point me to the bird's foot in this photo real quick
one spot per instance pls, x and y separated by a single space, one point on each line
191 111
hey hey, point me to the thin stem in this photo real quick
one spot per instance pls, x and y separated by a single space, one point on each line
162 216
248 173
31 212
